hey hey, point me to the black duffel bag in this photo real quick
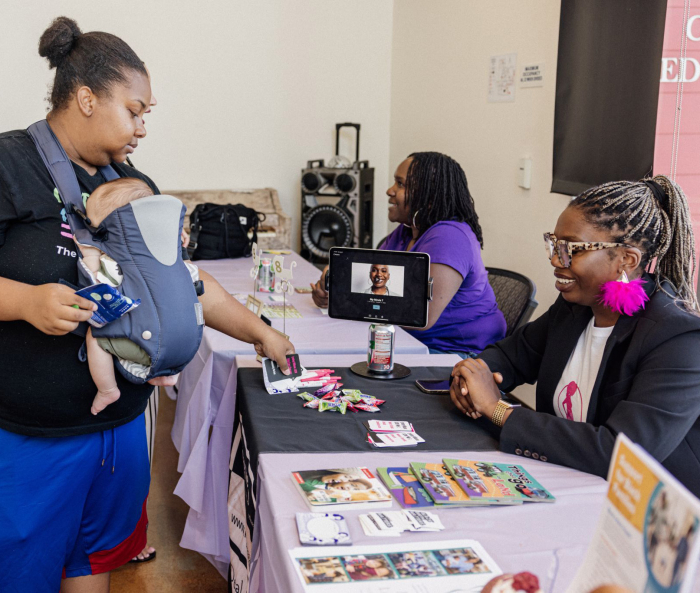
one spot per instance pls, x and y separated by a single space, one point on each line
218 231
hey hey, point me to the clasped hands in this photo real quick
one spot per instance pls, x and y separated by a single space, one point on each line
474 388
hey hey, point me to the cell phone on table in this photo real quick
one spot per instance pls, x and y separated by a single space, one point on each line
434 386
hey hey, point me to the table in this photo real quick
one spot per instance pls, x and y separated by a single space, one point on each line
548 540
204 417
262 425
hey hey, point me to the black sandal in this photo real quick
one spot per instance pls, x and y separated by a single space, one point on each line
151 556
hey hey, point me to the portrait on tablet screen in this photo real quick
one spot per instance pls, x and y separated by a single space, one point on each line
378 279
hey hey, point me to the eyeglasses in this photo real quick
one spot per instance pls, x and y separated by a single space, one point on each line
566 249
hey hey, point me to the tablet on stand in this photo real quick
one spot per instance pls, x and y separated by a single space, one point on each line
384 288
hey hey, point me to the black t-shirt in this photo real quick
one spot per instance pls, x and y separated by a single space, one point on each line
45 390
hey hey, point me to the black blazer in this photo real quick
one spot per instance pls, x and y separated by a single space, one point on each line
648 387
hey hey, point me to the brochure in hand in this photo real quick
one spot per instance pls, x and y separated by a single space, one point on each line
647 534
276 381
497 483
111 304
341 489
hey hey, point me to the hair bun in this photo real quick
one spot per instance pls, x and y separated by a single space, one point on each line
58 40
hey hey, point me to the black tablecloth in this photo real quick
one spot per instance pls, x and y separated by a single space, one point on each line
281 424
267 423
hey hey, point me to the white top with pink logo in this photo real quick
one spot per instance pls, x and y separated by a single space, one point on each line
573 393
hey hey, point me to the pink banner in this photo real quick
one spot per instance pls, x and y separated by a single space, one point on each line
688 159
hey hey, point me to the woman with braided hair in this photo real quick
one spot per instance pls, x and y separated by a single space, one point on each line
430 199
619 351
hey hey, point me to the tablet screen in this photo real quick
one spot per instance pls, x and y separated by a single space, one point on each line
380 286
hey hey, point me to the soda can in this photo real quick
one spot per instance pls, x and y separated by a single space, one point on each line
380 353
266 277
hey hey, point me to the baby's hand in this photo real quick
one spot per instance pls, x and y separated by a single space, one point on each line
103 399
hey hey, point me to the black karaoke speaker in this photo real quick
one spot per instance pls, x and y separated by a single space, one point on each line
336 204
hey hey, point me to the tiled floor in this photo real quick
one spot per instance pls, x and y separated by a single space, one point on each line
174 570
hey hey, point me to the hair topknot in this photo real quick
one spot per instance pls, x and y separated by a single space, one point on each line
95 59
58 40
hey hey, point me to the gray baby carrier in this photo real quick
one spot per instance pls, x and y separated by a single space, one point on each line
139 236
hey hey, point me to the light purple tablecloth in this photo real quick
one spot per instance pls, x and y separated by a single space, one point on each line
203 423
546 539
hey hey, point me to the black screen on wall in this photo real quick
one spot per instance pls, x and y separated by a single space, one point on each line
608 72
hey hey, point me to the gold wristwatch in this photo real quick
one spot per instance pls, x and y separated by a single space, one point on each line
499 412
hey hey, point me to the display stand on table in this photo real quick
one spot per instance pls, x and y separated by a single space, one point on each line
282 282
380 351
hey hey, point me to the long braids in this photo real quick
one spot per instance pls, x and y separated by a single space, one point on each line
653 215
437 190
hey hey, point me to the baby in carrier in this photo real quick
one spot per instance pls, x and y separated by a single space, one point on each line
102 202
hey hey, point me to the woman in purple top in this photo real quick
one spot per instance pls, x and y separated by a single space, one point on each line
431 200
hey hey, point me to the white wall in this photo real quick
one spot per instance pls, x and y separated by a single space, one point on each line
440 69
248 90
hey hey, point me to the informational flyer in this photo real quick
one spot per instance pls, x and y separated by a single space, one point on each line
646 539
435 567
502 78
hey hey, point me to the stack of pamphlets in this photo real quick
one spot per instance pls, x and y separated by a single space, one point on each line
394 523
497 483
458 482
405 487
392 433
341 489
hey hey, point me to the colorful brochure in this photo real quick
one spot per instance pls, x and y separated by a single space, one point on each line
497 483
342 489
111 304
647 535
405 487
441 486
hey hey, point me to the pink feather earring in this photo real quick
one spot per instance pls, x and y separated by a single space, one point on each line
623 295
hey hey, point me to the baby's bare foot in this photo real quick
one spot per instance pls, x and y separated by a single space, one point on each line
103 399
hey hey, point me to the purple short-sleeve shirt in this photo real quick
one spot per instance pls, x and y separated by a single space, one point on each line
471 321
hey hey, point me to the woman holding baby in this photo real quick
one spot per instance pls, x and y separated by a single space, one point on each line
75 484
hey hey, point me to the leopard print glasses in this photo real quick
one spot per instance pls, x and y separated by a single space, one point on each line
566 249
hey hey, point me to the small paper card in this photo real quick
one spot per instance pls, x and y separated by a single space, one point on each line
254 305
394 439
393 523
323 529
276 381
294 365
111 304
389 426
